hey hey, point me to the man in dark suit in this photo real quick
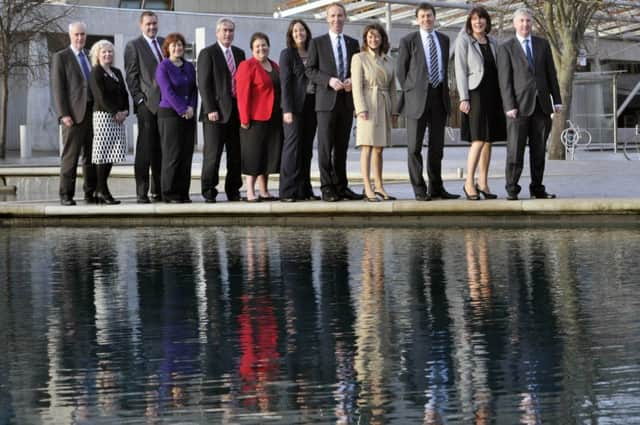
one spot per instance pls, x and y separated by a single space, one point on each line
70 70
329 67
423 63
217 65
141 56
527 82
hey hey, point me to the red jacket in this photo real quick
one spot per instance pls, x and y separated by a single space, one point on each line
255 91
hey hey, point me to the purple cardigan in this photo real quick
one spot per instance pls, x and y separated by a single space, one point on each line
177 86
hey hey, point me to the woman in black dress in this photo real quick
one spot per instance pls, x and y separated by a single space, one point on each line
483 120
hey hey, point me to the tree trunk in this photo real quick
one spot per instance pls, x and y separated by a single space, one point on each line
566 70
4 101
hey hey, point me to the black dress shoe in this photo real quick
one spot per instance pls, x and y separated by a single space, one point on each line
287 199
486 194
185 200
312 197
350 194
543 195
156 198
173 201
423 197
143 200
234 198
385 197
443 194
209 200
512 197
106 199
328 195
67 202
475 197
90 199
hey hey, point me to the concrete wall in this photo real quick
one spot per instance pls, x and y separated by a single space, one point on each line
255 7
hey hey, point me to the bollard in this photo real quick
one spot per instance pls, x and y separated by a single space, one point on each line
460 172
25 143
135 137
60 140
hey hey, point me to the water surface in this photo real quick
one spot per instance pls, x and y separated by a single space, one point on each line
319 325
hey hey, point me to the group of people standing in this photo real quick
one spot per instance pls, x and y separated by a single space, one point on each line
266 114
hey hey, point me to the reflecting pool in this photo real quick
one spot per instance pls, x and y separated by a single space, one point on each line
240 325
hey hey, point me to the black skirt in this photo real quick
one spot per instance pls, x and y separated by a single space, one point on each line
486 120
261 146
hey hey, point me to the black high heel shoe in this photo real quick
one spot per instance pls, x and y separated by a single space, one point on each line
385 197
487 195
367 199
107 199
475 197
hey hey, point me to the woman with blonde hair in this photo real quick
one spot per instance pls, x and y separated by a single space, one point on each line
110 110
374 98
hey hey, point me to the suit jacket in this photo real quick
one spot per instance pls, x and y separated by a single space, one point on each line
109 95
321 67
413 74
140 64
70 89
214 81
521 88
293 81
256 92
469 62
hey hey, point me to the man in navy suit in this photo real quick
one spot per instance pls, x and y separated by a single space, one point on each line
72 99
528 81
329 67
141 56
217 65
422 68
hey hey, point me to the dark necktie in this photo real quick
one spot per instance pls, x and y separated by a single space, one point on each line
340 59
85 67
527 47
434 69
157 50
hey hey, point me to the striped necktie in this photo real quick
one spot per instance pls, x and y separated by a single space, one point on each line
157 50
434 69
232 69
340 59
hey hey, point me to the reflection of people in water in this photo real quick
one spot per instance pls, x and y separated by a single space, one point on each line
258 326
373 328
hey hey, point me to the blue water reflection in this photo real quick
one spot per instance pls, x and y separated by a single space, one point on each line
319 325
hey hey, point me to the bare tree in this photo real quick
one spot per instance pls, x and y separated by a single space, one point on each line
21 23
564 23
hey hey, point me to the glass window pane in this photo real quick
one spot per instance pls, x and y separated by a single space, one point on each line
130 4
157 4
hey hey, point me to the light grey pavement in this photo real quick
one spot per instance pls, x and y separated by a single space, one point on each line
595 183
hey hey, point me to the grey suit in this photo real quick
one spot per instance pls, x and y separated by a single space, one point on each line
423 106
530 93
140 65
469 62
72 97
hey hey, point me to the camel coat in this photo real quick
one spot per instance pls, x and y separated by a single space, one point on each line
374 91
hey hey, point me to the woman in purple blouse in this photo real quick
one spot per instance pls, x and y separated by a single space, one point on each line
176 124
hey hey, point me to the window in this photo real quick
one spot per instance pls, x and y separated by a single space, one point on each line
147 4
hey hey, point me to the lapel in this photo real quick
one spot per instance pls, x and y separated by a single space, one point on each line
421 57
76 65
537 56
329 49
150 58
518 52
478 50
221 61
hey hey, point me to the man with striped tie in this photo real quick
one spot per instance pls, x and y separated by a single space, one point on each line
329 67
216 69
141 57
422 68
70 69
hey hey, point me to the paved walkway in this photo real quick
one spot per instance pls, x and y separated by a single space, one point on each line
596 183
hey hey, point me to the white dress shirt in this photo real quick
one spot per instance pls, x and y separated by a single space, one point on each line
334 45
425 44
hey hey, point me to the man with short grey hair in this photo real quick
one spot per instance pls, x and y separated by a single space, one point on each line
216 68
73 102
528 82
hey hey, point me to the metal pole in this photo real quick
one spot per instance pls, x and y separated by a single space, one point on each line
387 16
615 115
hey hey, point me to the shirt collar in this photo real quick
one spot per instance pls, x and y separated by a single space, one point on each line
149 40
224 49
424 34
75 51
522 39
334 36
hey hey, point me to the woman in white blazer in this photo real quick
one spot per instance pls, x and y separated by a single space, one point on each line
483 120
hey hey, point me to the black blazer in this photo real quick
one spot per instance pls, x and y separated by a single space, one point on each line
109 95
293 81
140 64
413 74
214 81
321 67
518 85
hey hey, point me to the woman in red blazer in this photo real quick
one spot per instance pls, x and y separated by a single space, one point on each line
258 91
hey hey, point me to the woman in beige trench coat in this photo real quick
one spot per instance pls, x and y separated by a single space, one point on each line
374 97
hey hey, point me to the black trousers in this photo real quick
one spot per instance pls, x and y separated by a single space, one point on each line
534 130
334 130
148 153
177 136
434 117
77 140
297 151
219 136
